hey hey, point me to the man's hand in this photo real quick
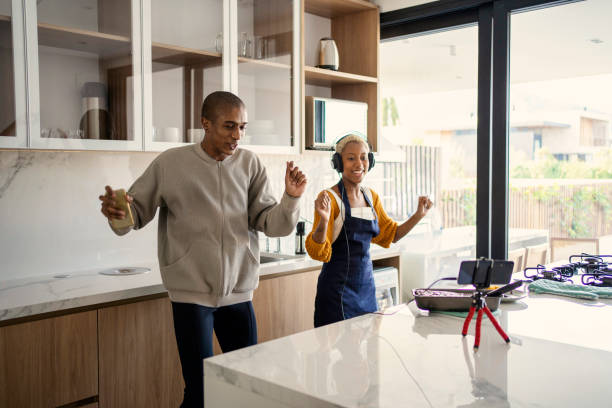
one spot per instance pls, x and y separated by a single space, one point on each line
109 205
323 206
295 181
424 205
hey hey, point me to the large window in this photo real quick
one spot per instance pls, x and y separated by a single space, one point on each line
428 146
560 115
541 125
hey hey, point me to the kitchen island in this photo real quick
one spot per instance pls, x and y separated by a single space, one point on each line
560 355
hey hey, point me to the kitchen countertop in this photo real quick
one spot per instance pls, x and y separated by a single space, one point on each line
560 355
20 298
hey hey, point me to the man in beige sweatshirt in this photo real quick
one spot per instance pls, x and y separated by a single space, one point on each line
212 198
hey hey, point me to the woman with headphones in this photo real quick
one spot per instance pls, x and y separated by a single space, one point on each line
347 218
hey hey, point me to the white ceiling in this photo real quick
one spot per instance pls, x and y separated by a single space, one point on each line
550 43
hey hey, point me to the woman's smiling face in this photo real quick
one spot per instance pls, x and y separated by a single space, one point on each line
355 161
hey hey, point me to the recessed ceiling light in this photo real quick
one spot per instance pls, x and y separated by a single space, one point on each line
596 41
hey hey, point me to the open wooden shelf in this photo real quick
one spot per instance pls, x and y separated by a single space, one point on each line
181 56
263 68
355 29
264 63
102 44
328 77
334 8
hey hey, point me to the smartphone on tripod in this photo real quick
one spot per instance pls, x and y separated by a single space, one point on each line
485 272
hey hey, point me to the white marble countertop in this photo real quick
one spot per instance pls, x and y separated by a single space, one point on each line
48 293
560 355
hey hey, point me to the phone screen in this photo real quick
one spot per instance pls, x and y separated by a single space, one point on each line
501 272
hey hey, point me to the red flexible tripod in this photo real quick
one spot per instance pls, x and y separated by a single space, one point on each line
479 304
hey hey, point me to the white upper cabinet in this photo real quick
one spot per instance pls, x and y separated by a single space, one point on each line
85 74
268 72
132 75
183 54
13 132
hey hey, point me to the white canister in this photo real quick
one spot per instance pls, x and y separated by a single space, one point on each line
171 134
195 135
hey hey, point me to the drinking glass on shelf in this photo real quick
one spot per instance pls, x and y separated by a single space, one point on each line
75 134
244 46
219 43
260 47
270 48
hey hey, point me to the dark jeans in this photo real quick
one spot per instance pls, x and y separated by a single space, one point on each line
234 326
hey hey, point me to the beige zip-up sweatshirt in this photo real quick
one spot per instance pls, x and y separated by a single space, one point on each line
209 215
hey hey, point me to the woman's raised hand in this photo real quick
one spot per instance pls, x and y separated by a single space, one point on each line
424 205
323 206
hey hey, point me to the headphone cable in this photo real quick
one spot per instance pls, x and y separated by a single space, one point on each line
348 252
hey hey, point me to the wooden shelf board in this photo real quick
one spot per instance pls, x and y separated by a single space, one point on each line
264 63
181 56
267 69
327 77
334 8
105 45
5 18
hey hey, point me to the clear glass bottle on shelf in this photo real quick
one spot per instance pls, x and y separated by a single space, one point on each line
244 45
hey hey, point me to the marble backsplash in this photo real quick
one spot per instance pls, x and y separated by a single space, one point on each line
50 213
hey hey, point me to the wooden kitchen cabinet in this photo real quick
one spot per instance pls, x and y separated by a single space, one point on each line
139 361
49 362
284 305
125 354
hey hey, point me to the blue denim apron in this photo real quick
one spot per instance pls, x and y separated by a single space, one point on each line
344 293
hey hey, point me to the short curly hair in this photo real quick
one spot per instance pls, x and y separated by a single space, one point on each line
351 138
218 100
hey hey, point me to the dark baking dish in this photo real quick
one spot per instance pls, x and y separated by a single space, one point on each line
461 302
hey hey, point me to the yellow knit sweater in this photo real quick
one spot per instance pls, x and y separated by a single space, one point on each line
322 252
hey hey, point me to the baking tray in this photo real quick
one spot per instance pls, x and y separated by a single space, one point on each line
449 303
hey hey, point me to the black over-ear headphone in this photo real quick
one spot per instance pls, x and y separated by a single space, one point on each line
337 164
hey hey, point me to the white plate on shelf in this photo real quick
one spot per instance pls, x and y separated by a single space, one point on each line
129 270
